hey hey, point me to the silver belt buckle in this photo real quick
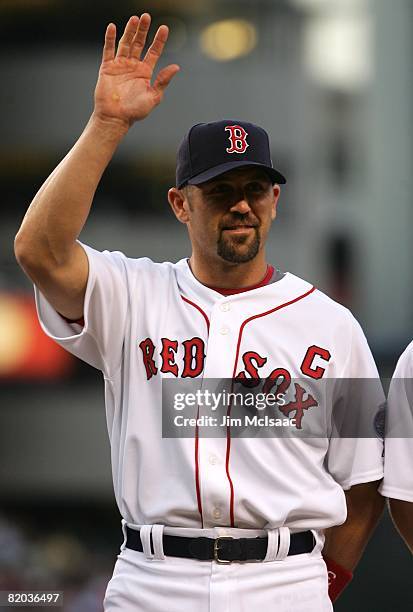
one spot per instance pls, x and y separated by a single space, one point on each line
216 550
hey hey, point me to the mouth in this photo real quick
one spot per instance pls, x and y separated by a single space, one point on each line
238 228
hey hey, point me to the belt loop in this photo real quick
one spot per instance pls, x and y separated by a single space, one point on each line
283 543
272 548
145 535
123 545
157 541
319 539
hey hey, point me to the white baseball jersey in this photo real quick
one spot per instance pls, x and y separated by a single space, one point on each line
145 322
398 456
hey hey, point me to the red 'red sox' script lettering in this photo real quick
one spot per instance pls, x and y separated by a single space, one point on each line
238 139
148 348
191 365
169 348
193 357
279 381
249 358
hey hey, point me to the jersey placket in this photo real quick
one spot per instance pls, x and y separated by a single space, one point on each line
215 485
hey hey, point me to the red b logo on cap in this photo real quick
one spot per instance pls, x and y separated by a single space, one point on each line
238 139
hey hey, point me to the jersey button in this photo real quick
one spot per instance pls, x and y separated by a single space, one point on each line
213 459
224 330
225 307
216 513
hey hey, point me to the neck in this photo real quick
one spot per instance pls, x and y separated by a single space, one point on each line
225 275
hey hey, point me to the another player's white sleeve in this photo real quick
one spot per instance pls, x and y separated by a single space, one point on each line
99 342
355 453
398 455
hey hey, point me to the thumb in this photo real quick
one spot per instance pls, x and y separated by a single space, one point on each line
164 78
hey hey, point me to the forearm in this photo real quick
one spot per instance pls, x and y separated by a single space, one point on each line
59 210
402 515
345 543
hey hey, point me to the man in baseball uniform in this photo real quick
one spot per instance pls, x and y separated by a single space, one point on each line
397 484
220 523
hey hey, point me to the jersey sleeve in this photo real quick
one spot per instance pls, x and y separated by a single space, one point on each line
398 455
100 340
355 453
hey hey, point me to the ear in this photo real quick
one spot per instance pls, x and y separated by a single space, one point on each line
179 204
276 192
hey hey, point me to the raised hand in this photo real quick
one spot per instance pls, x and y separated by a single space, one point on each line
124 92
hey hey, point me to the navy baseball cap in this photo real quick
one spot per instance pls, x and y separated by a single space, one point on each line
210 149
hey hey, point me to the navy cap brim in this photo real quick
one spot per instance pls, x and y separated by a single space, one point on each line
275 176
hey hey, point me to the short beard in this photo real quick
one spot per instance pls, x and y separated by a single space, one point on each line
229 251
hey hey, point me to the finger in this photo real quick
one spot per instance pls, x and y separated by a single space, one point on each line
139 40
109 46
155 50
126 40
164 77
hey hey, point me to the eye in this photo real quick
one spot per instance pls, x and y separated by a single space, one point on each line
256 187
220 189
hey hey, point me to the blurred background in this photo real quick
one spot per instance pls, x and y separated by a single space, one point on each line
330 80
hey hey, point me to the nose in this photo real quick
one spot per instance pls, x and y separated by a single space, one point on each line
241 206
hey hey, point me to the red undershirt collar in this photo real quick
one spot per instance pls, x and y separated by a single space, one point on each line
265 281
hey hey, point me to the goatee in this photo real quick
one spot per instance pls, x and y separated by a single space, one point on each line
233 251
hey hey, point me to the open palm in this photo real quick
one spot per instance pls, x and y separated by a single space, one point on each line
124 91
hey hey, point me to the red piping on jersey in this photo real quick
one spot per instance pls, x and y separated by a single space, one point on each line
199 310
241 329
197 483
197 479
